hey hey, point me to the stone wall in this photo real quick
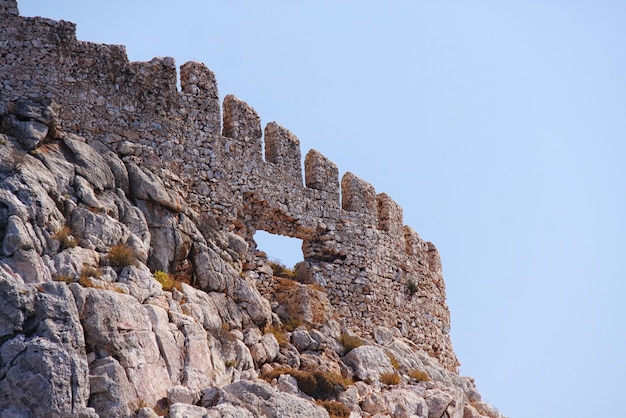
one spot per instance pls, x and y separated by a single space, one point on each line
375 270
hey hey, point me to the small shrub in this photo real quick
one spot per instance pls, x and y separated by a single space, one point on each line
412 287
335 409
392 378
279 270
64 236
168 282
315 383
121 256
350 342
419 375
86 281
89 271
292 323
230 363
64 278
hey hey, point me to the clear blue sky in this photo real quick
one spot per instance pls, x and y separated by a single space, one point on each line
500 128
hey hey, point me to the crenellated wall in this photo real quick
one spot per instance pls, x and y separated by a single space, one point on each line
355 244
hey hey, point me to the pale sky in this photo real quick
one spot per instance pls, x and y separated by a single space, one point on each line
498 126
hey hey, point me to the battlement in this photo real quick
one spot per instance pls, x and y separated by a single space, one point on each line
354 241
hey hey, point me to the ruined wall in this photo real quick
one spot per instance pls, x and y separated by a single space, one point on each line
354 242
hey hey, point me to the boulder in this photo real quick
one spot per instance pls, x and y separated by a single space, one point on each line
112 395
368 362
117 325
261 399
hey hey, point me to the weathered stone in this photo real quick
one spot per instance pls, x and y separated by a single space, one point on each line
197 195
368 362
90 165
71 261
29 266
97 230
263 400
85 193
44 368
183 394
16 237
271 346
103 315
111 394
251 336
183 410
301 339
198 366
145 185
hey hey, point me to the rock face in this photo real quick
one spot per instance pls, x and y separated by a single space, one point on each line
130 283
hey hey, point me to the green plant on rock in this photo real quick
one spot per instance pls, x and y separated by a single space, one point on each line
121 255
168 282
412 287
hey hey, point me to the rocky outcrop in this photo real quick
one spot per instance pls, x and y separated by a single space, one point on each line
130 283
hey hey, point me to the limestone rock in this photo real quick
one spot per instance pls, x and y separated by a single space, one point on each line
89 164
117 325
112 395
368 362
43 358
183 410
145 185
263 400
301 339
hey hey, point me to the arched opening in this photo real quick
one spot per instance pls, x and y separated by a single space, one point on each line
279 248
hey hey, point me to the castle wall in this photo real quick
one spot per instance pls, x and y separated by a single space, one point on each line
354 242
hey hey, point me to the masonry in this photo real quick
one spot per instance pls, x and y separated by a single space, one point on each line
355 244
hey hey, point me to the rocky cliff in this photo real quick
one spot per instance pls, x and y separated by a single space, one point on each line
130 280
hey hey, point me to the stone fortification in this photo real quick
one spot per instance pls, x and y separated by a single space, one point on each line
376 270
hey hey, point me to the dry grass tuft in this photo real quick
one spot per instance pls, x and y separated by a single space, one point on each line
65 238
315 383
390 379
350 342
419 375
393 360
335 409
279 270
121 255
279 334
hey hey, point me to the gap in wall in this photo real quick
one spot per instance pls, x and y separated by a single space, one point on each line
286 250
